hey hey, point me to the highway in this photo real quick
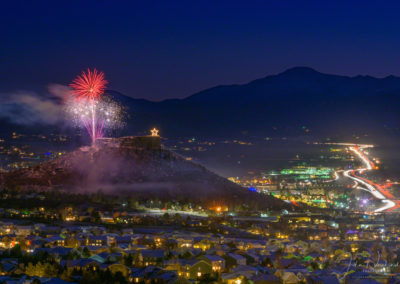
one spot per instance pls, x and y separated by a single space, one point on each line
390 202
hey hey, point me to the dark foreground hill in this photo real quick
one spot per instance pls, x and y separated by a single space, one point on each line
137 166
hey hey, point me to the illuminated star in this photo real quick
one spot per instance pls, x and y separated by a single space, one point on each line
154 132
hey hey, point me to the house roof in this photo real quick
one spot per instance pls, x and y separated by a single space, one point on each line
153 253
213 257
326 279
52 281
365 281
234 275
247 268
166 276
54 251
237 257
265 277
82 262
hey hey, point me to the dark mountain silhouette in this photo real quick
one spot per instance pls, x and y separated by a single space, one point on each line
285 104
123 167
300 82
328 105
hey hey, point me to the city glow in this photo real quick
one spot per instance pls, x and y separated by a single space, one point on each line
376 190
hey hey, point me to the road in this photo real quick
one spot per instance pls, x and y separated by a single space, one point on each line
390 202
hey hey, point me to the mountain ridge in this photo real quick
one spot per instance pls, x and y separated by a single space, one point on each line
275 105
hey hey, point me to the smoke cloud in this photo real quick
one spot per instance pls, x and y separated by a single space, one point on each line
29 108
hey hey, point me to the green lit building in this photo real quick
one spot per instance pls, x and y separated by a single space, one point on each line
308 173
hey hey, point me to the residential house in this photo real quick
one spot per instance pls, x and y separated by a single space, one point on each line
217 263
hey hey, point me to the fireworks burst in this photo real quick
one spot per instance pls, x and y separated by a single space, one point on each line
89 86
88 107
109 115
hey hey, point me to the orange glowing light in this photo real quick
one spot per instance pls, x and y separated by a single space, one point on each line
154 132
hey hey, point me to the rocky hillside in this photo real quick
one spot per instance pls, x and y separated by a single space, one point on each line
145 169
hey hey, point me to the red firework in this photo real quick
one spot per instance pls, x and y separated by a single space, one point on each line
90 85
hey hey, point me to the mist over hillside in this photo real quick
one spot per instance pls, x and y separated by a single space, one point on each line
140 170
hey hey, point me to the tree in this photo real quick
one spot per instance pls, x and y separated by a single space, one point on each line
119 278
170 244
267 262
50 270
208 278
42 269
177 218
181 280
90 277
231 245
128 260
96 216
186 255
66 275
16 251
314 265
72 255
30 269
166 217
85 252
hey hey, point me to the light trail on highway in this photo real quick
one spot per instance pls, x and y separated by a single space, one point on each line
376 190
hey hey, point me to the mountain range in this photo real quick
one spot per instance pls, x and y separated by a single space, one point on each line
297 102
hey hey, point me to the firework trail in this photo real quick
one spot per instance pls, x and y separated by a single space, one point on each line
89 107
109 115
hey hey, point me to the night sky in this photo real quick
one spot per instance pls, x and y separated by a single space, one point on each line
164 49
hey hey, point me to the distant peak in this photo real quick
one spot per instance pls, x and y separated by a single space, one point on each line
300 70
